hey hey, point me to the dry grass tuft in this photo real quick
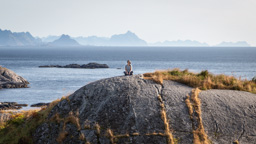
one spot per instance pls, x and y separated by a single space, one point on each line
111 136
73 119
203 80
62 136
56 118
87 124
122 136
156 134
6 111
53 103
97 132
190 108
81 136
97 127
66 97
194 105
168 133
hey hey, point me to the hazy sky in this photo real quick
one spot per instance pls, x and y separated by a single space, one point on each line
210 21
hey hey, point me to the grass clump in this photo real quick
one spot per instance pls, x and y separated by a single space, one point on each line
20 127
203 80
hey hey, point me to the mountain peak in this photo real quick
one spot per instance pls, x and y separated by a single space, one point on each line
127 39
63 36
129 32
65 40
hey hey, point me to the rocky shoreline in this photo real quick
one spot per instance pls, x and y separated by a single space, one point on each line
16 106
84 66
11 106
8 85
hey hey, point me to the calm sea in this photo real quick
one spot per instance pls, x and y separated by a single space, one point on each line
48 84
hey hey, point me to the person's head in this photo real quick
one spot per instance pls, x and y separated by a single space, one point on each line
129 62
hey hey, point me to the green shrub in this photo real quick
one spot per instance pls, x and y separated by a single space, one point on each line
204 74
17 120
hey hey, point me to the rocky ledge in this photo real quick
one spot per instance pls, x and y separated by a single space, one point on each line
134 110
85 66
9 79
11 106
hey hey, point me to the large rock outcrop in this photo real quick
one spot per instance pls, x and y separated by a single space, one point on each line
9 79
135 110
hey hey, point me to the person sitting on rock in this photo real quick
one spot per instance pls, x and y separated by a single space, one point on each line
128 68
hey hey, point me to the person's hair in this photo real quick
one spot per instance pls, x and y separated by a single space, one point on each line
129 61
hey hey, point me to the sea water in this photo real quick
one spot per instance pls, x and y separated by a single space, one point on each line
48 84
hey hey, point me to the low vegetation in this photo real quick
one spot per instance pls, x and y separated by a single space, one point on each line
21 125
203 80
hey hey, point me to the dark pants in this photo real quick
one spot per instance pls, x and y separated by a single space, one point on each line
131 73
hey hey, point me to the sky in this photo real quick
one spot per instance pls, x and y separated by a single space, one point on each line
210 21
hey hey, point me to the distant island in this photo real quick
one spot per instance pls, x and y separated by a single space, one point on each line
85 66
9 38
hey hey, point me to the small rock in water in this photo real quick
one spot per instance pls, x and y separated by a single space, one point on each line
40 104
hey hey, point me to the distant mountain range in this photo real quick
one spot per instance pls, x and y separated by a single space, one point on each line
127 39
49 38
92 40
234 44
8 38
180 43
